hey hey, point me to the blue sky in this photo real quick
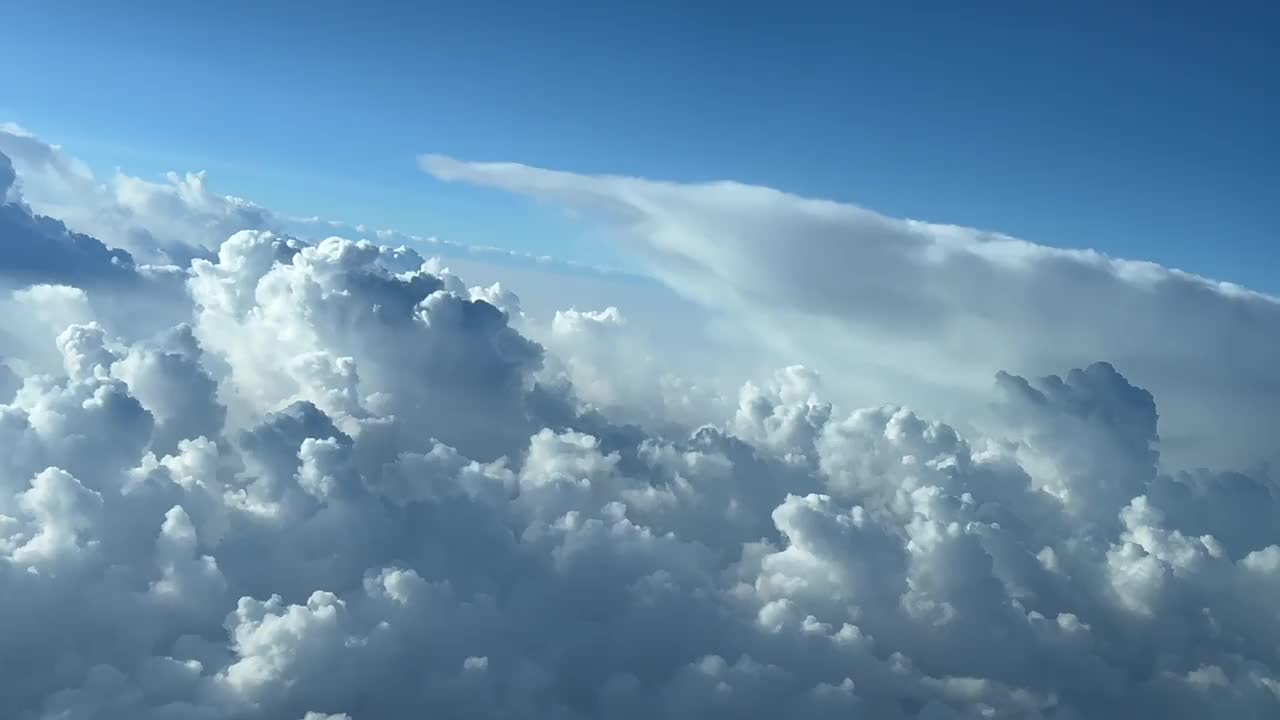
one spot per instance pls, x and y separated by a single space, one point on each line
1146 132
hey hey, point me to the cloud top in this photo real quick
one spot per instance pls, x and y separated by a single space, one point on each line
909 304
343 485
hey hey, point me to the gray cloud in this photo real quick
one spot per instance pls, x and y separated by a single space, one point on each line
36 249
8 177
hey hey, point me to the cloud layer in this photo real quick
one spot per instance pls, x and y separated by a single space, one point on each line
179 216
158 222
929 309
344 485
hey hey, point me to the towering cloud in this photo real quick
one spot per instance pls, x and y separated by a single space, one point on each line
929 309
342 485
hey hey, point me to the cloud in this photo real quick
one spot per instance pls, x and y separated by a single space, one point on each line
158 222
927 310
8 178
51 276
180 216
41 160
316 227
285 508
34 249
373 321
616 368
343 485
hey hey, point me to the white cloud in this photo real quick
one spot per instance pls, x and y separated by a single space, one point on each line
178 216
398 339
624 371
927 310
51 277
157 222
345 486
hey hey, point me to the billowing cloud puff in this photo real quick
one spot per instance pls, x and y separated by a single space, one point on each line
928 309
342 485
364 330
34 248
51 276
158 222
617 369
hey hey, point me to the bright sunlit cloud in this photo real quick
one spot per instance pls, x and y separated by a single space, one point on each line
251 471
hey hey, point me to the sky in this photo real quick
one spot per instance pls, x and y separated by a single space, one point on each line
1144 131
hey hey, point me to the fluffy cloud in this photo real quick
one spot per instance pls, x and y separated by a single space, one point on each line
928 309
362 330
158 222
51 276
35 248
615 368
342 485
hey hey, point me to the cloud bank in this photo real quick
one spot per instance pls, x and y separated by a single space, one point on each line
157 222
345 486
179 216
929 309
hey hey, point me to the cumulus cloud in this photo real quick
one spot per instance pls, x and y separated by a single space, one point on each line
52 276
34 248
344 485
621 369
927 310
364 329
171 220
